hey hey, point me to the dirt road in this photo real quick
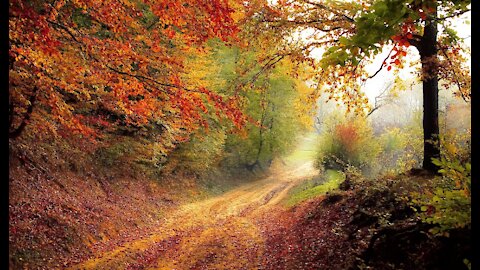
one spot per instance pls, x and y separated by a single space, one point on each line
218 233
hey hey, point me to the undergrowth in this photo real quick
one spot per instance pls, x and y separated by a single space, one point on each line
315 187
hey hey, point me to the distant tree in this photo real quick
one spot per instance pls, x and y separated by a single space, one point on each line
273 103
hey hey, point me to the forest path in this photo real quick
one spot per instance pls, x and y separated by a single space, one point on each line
217 233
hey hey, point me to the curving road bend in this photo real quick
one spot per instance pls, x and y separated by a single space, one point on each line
217 233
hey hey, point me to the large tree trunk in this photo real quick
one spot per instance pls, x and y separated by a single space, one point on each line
428 55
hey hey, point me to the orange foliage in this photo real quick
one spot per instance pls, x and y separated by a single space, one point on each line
84 66
348 136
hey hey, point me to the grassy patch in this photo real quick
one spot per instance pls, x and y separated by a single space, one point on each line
315 187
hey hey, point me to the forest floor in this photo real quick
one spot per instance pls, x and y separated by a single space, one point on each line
218 233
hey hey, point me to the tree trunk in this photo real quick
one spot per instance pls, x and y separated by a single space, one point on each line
428 55
15 133
262 121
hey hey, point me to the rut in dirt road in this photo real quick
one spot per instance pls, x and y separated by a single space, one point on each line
218 233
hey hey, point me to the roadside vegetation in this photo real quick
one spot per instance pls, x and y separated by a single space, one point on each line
384 211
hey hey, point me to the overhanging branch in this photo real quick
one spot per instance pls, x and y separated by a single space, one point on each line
452 15
457 81
381 66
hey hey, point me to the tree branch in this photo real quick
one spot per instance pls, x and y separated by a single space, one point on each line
380 97
452 15
374 109
270 63
457 81
141 77
312 22
155 21
63 27
322 6
381 66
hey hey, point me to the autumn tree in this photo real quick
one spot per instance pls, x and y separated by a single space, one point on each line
353 33
87 68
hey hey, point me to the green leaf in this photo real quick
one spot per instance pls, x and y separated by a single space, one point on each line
468 167
344 41
435 230
436 161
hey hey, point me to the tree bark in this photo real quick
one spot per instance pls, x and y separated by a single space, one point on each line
15 133
428 55
262 121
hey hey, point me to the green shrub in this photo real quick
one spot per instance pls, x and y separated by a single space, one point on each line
449 206
402 149
411 154
133 155
200 154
